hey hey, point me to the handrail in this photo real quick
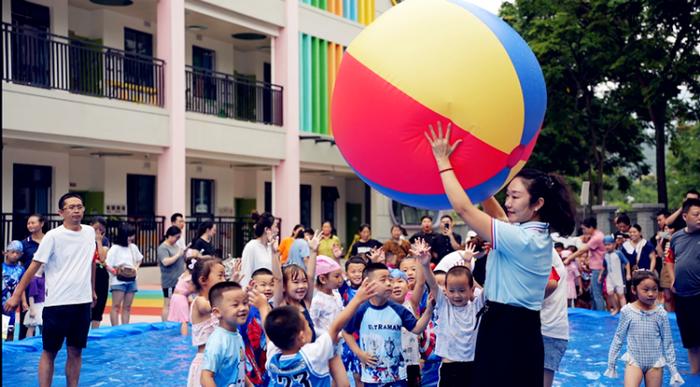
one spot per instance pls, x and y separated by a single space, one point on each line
41 59
238 79
10 27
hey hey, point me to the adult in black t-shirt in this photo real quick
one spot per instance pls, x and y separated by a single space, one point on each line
203 242
366 243
447 241
426 233
440 244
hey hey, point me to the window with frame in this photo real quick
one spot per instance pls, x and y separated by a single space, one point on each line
202 197
138 67
329 196
204 61
305 205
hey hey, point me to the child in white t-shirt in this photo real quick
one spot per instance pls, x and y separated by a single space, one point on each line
457 323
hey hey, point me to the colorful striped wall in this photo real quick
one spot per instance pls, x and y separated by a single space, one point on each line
361 11
319 64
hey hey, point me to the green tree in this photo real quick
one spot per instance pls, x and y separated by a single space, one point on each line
657 50
588 129
684 161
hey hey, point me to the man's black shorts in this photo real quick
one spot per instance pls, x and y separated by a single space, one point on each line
688 319
65 322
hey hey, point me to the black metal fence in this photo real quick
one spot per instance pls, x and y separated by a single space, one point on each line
232 233
37 58
229 96
149 230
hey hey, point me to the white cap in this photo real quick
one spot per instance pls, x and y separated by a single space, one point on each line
471 234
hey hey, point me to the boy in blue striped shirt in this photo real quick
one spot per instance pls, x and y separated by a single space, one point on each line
379 322
292 359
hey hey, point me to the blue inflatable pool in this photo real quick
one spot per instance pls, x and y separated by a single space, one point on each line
156 355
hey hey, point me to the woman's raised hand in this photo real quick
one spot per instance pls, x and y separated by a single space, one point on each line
441 144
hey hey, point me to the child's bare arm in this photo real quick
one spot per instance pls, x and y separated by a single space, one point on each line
207 379
311 267
278 288
424 320
422 250
366 291
366 358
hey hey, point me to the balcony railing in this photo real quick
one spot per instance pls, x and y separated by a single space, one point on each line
230 96
149 230
232 233
37 58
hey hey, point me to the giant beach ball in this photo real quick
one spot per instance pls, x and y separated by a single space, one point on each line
425 61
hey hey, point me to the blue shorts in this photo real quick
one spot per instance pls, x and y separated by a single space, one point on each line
554 350
126 287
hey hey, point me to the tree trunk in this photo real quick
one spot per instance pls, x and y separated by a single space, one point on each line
658 117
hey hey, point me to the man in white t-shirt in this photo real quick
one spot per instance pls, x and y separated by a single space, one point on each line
66 253
554 319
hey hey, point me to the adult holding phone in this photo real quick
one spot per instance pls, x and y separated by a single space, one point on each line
518 267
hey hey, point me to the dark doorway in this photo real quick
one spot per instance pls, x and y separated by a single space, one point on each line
329 195
204 61
140 195
138 69
31 192
305 205
30 45
268 196
267 93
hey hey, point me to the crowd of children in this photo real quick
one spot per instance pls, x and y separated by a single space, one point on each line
313 322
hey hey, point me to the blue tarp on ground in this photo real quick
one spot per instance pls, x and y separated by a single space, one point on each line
149 354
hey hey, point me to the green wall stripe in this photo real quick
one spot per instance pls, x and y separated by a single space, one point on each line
308 109
324 86
316 85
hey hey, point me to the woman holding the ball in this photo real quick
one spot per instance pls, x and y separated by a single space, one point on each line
509 349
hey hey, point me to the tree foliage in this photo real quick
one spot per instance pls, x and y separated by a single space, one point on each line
590 52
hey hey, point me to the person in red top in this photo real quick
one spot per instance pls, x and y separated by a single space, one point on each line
596 254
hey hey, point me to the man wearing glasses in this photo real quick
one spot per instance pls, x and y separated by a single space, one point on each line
67 255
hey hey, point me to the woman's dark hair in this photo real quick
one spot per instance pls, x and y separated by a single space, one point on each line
203 227
637 227
330 224
364 226
171 231
96 220
557 209
590 222
262 221
202 268
640 275
41 218
123 233
623 218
